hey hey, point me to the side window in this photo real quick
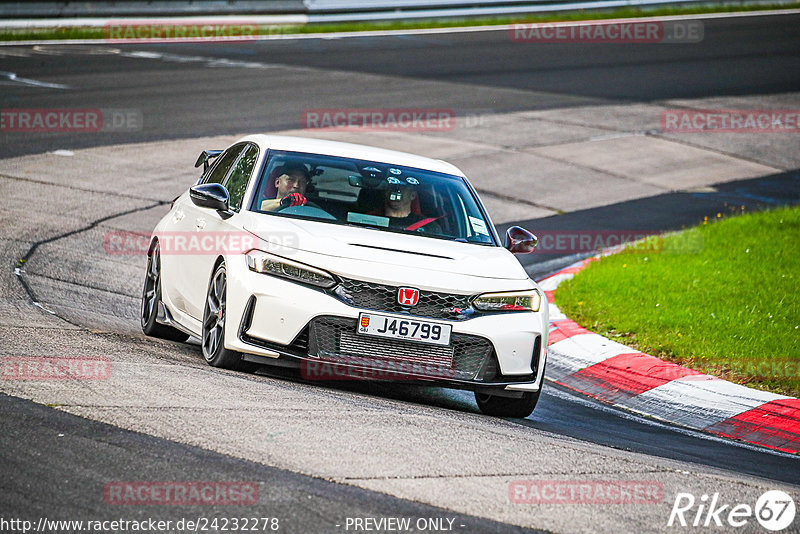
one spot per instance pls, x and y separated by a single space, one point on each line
237 181
224 163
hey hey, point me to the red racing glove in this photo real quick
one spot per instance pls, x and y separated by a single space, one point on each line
293 199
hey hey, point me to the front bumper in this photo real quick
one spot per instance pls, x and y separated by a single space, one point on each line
279 322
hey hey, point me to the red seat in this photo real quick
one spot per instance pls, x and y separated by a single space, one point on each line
269 190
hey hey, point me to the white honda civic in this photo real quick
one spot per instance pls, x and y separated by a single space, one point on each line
348 262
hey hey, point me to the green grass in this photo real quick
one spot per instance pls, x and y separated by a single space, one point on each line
631 12
721 298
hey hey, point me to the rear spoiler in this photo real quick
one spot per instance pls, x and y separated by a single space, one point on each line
206 155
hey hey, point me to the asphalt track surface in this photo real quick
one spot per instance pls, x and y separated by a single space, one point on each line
47 485
488 73
753 56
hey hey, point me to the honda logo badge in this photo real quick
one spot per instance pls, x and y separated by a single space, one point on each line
407 296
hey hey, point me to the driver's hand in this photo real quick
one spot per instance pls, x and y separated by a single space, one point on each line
293 199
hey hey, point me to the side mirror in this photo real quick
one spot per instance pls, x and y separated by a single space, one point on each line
520 241
212 196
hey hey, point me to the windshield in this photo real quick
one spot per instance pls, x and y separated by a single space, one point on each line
381 196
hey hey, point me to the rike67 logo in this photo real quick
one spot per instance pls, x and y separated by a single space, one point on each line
774 510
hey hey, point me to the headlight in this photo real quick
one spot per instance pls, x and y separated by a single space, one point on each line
510 301
262 262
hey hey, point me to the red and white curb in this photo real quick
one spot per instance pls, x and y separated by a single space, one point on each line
615 374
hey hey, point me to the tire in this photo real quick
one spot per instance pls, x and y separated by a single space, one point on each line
497 406
151 298
213 331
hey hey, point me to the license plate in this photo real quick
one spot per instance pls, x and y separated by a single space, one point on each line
373 324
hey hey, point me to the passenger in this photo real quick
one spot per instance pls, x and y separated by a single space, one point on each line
398 201
291 184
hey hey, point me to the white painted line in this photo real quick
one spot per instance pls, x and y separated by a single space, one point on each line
12 52
209 61
27 81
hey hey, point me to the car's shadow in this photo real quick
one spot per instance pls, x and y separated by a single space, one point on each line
415 393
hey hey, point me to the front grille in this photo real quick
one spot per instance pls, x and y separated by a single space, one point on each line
335 339
371 347
382 297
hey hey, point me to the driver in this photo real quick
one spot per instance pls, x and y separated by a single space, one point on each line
291 183
397 203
